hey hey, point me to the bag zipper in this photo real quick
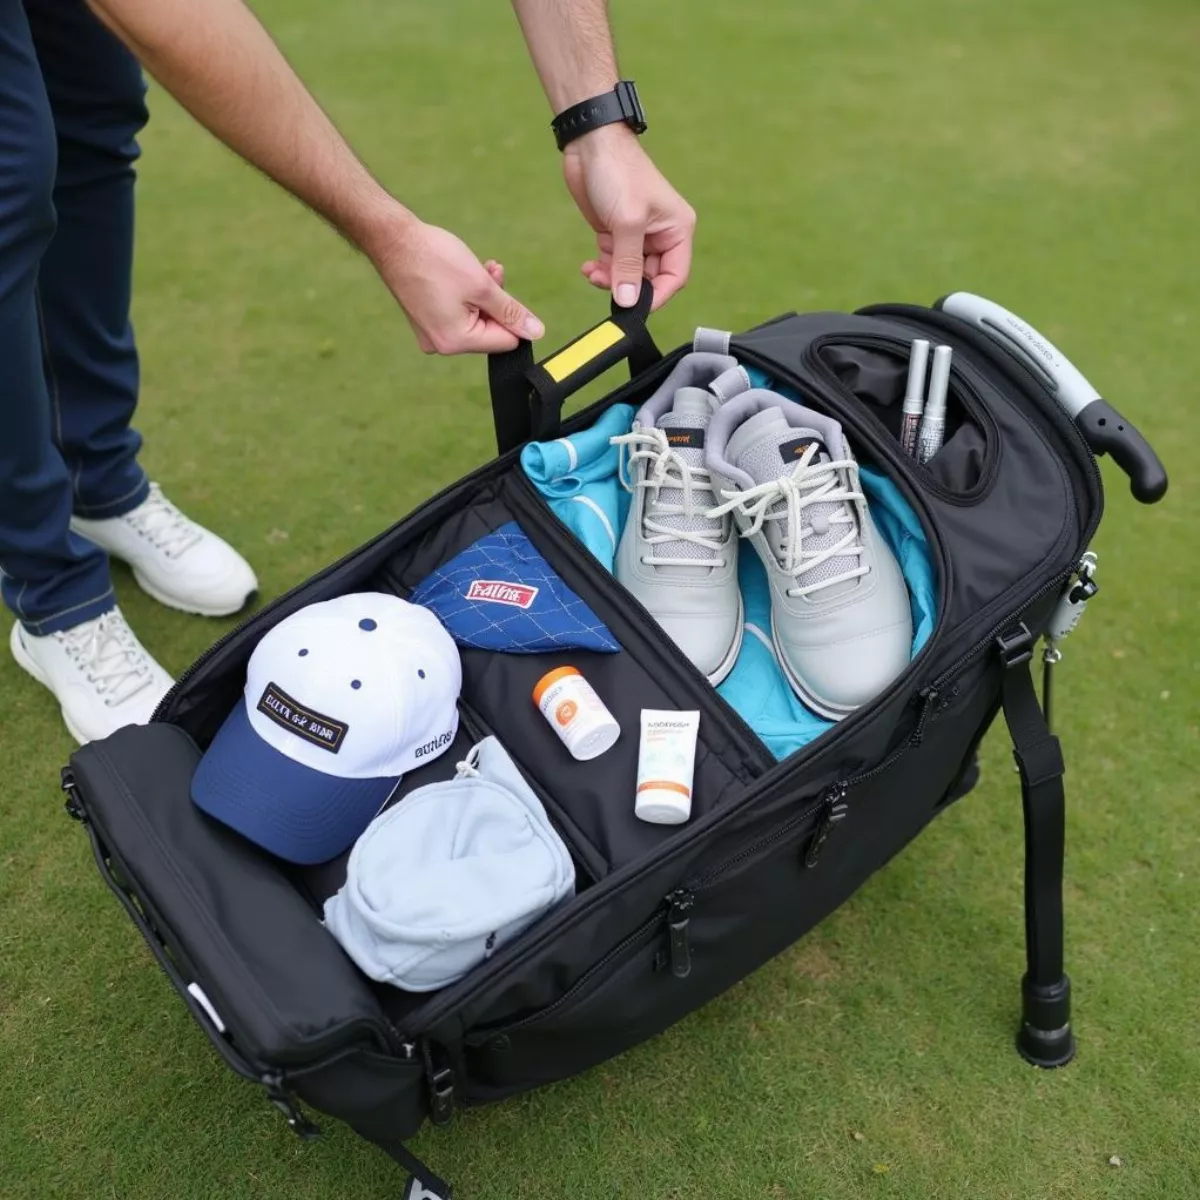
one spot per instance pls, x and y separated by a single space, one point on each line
964 391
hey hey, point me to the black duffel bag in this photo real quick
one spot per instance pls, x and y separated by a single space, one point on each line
664 917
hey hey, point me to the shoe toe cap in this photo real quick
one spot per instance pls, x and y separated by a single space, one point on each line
706 641
847 674
211 577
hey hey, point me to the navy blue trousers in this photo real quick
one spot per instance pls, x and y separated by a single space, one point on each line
72 101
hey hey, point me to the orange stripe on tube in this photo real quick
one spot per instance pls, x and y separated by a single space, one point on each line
664 785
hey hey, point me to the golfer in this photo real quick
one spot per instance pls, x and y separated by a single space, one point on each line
72 101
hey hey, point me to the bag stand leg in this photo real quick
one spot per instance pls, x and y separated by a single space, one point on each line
1045 1038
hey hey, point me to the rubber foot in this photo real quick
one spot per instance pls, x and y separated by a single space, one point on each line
1045 1039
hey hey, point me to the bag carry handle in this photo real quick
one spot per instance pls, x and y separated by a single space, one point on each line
1103 428
528 396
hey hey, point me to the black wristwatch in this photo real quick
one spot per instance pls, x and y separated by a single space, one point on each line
621 104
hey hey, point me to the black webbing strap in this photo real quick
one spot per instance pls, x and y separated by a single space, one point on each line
1040 761
528 397
422 1183
1046 1035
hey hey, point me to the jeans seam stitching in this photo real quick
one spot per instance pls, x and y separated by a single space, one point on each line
73 608
116 500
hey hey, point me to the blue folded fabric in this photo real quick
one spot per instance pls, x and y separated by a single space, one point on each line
578 475
501 594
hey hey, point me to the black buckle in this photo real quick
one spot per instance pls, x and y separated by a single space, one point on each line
1015 646
441 1096
631 105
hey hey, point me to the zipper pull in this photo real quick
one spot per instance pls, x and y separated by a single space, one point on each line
680 902
929 698
833 812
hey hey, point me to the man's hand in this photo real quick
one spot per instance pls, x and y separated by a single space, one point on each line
644 227
454 303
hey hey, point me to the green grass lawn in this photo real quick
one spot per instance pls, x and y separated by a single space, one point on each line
838 154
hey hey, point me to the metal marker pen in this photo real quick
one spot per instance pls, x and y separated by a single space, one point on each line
933 422
914 396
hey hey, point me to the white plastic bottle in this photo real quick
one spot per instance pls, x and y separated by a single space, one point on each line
574 711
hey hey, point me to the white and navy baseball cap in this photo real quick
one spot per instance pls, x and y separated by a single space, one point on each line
342 698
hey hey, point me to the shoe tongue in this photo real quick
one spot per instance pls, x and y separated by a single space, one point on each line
685 425
769 449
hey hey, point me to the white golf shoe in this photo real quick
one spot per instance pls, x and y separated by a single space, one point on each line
179 563
100 674
840 615
679 562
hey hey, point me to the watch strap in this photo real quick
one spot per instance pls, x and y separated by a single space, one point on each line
621 104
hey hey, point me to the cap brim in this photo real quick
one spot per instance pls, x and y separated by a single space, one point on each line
296 813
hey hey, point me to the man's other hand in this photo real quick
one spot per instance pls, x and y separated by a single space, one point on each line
644 227
455 304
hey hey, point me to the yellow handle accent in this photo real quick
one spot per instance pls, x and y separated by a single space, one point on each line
577 354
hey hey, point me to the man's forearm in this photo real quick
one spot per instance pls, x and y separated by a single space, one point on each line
571 45
222 66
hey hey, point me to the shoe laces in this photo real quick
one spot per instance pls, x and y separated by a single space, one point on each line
163 525
666 469
113 661
785 499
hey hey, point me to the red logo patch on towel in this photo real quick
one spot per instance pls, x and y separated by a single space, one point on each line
516 595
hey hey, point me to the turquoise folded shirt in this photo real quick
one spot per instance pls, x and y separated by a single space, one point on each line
578 478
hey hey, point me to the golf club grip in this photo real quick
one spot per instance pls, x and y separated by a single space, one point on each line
1104 429
528 396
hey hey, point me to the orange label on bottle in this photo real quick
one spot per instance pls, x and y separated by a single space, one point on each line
564 714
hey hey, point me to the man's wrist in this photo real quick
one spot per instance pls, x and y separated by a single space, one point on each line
603 140
380 226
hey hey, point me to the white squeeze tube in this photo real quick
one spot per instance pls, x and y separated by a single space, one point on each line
666 763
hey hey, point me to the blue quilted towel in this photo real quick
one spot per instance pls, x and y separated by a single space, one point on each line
501 594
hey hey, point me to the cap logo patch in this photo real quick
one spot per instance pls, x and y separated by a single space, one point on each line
303 722
493 591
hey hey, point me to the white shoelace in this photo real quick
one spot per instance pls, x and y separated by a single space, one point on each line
666 469
163 525
109 655
808 484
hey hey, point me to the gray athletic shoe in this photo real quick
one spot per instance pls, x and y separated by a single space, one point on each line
840 613
680 563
